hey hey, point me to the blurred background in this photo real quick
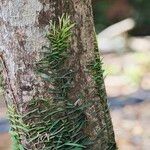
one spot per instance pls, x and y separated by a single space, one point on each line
123 34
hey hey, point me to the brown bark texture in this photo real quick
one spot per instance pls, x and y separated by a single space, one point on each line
23 25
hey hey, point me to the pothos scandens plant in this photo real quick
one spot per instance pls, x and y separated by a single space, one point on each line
55 123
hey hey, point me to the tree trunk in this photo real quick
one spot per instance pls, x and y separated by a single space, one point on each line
23 26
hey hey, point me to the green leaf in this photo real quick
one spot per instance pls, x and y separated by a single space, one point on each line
75 145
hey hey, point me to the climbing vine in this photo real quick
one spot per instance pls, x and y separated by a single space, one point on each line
54 123
57 122
96 70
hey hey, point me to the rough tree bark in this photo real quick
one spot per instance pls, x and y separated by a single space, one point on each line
23 25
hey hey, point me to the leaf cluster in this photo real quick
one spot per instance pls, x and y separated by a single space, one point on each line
54 123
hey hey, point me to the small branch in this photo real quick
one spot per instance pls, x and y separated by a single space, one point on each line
8 80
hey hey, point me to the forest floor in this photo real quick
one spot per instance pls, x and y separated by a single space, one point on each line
128 88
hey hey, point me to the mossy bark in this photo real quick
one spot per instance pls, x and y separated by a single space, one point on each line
23 25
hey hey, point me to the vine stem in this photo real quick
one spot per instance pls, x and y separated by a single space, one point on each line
8 81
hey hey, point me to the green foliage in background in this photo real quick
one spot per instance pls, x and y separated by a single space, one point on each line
139 12
141 15
100 16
